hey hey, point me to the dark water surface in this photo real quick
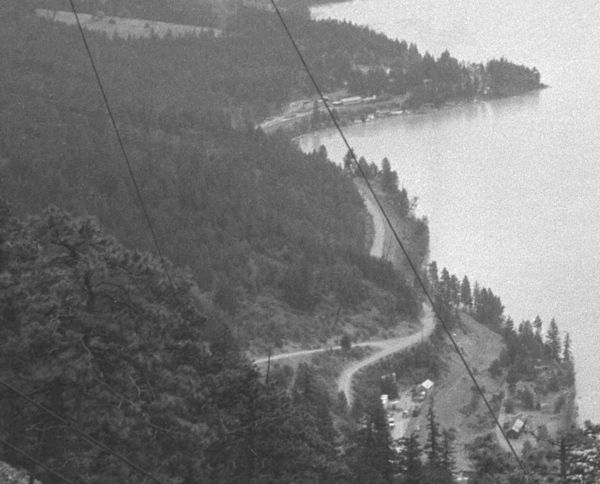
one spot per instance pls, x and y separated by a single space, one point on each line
511 187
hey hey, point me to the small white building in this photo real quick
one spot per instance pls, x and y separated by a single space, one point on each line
426 385
422 389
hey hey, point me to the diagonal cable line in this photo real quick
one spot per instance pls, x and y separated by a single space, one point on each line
122 147
36 462
79 432
398 240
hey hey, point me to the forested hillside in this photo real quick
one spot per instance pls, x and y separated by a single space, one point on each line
252 217
265 246
251 71
99 335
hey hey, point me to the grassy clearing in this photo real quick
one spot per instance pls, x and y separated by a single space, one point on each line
125 27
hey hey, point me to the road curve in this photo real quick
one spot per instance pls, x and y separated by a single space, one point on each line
283 356
387 348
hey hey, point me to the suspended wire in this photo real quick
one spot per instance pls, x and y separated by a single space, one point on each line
71 426
122 147
396 236
35 461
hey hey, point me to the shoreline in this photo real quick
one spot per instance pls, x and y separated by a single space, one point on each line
300 124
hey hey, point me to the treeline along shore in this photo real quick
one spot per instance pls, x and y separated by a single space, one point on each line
264 249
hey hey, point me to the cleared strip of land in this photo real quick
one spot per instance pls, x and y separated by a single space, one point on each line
125 27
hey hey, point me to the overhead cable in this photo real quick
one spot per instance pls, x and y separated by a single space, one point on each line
122 147
36 462
397 238
75 429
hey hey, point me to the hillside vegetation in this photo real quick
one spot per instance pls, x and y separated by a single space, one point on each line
275 237
265 246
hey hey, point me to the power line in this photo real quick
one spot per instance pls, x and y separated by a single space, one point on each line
397 237
122 146
37 462
80 433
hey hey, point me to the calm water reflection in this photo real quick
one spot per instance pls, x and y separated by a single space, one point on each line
511 187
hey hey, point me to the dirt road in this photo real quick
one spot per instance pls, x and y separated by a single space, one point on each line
387 348
379 224
283 356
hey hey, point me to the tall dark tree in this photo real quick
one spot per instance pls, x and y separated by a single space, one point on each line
445 290
349 165
311 393
433 445
389 178
370 456
465 293
410 465
433 276
553 340
567 355
447 462
454 290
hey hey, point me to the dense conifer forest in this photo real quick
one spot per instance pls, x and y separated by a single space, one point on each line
149 358
249 215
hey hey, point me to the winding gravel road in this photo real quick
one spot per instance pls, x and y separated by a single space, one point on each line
386 347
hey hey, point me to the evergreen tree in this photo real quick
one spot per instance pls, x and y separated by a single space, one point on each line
454 289
465 293
553 340
448 463
567 356
370 457
509 328
433 445
349 162
476 294
364 166
310 392
410 465
445 283
433 276
297 286
389 178
539 342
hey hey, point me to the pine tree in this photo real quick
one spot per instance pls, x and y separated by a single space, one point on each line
454 290
553 340
445 291
364 165
434 280
447 461
389 178
349 162
465 293
476 295
370 456
509 328
539 342
567 356
433 444
410 465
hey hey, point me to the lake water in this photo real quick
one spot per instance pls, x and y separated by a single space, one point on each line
510 187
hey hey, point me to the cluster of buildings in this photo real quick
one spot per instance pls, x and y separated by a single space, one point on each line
408 404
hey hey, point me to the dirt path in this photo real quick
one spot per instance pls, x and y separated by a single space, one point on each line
379 224
387 348
283 356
